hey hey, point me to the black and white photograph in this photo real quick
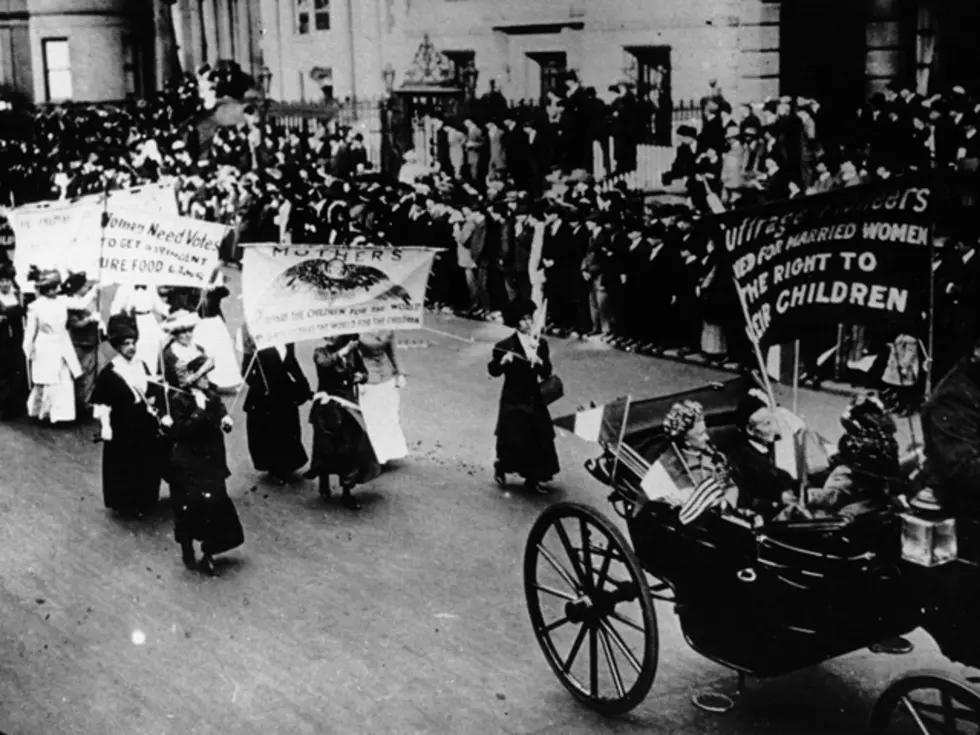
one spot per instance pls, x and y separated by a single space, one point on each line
478 367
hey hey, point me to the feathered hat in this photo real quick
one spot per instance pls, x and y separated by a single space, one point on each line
180 321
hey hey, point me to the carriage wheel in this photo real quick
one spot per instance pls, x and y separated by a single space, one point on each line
926 703
591 608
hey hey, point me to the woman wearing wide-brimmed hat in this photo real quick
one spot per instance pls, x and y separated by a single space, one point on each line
126 404
199 468
13 366
145 305
49 350
181 347
525 435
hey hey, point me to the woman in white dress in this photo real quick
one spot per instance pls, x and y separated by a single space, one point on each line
51 356
143 304
379 397
212 334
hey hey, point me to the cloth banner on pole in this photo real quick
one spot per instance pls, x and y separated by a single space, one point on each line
48 232
139 248
293 293
855 256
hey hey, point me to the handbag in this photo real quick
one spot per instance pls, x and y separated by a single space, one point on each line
551 389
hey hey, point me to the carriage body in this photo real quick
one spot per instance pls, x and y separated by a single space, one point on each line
763 599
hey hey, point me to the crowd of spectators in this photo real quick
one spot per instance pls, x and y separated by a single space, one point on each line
511 202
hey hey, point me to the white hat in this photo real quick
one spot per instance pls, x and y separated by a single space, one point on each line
180 321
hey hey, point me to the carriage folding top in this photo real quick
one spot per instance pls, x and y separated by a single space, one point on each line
762 599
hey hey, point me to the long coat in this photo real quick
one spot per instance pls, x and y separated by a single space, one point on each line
132 462
276 389
525 435
13 364
951 427
340 441
198 470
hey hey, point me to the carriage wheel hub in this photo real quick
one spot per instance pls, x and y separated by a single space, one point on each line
581 609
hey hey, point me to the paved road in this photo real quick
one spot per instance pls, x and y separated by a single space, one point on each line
406 618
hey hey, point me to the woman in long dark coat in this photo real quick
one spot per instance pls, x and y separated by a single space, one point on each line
14 388
125 402
525 435
276 390
341 445
198 470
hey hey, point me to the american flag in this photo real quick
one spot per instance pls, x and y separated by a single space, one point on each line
706 495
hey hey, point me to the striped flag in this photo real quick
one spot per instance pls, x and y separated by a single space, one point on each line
602 424
659 484
706 495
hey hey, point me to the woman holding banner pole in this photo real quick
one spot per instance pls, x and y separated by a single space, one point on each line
379 397
143 303
340 440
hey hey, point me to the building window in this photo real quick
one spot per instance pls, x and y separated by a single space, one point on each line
312 15
131 67
552 67
57 69
461 60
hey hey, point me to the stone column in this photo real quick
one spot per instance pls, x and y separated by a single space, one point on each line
210 21
194 54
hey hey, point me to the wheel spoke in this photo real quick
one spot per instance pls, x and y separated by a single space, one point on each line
600 577
627 621
573 651
555 625
586 555
910 706
562 572
611 663
570 552
556 593
621 644
593 662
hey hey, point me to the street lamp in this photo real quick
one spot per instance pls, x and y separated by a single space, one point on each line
265 79
388 77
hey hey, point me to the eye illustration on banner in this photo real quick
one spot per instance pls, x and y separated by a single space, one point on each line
334 280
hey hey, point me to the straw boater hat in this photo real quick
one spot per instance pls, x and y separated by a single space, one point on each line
194 370
180 321
48 279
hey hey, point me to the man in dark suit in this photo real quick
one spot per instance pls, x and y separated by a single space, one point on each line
576 127
626 127
685 159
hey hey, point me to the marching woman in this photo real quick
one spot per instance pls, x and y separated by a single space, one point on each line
48 348
525 436
379 396
144 304
198 469
13 365
212 334
181 348
340 440
124 402
276 390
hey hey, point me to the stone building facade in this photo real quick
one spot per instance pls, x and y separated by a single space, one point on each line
835 49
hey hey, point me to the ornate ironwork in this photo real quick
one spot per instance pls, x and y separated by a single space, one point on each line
430 68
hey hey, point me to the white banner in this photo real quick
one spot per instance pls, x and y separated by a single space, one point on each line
51 234
293 293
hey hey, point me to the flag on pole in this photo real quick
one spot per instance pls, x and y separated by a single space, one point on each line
659 484
602 424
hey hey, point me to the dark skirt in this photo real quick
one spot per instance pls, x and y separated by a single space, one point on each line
341 445
275 438
131 473
13 381
206 514
526 442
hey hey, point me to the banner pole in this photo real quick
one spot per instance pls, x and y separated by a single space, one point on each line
103 222
619 442
796 377
932 314
755 343
241 388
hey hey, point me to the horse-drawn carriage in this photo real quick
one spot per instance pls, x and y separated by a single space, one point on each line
760 598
